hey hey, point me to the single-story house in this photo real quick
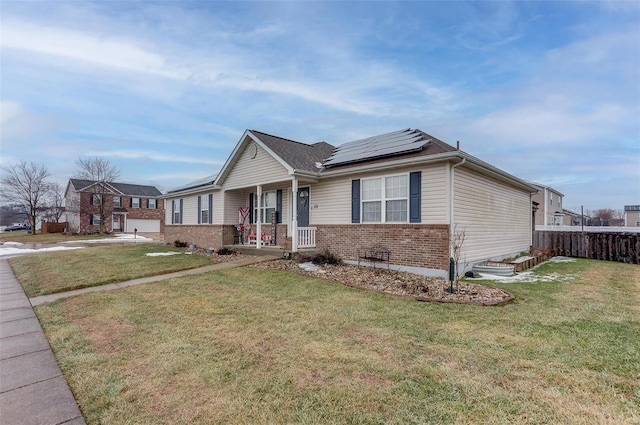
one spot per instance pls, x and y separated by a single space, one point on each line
406 190
126 207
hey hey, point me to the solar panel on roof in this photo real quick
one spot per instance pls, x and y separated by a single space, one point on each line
393 143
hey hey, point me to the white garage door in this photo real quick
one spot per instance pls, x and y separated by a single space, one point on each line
149 226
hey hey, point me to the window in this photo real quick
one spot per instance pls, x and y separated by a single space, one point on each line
96 199
117 202
95 219
176 211
135 202
269 203
385 199
152 203
203 202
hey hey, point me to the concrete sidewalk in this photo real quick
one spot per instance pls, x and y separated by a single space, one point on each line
32 387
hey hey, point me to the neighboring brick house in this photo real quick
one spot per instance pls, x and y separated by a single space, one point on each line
550 211
632 215
406 190
127 207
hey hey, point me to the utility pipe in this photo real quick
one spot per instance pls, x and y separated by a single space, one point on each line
452 201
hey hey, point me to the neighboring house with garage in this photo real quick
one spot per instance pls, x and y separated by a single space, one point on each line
632 215
550 211
127 207
406 190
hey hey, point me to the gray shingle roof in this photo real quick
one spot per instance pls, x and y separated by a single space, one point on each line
143 191
299 156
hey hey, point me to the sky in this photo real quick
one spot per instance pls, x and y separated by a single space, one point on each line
547 91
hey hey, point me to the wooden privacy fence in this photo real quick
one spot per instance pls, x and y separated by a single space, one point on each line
54 227
621 247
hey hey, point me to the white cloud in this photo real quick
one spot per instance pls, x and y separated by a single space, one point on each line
94 49
154 156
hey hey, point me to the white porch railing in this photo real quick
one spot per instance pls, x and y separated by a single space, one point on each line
307 237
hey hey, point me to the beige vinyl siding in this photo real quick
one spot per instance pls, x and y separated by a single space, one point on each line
495 217
435 186
249 171
190 209
333 197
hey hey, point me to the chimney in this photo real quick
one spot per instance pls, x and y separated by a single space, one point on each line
458 145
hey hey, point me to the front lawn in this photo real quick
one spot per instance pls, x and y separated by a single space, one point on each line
25 237
54 272
253 346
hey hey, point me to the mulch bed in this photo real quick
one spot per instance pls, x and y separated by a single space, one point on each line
421 288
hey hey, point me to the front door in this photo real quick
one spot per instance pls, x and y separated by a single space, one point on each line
303 206
116 222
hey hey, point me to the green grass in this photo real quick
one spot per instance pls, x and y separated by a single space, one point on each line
251 346
61 271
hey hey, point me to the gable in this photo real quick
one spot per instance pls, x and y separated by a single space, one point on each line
255 166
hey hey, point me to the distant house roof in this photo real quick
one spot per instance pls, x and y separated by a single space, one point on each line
541 186
300 156
632 207
125 189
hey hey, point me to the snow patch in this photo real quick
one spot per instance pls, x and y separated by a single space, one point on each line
18 251
13 243
120 237
160 254
310 267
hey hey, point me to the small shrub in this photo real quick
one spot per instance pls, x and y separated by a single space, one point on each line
225 251
179 244
320 257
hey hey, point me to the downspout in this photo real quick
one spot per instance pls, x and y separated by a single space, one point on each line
451 203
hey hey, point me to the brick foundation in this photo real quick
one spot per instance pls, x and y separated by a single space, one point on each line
411 245
421 245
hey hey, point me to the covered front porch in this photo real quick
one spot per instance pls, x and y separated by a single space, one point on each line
271 216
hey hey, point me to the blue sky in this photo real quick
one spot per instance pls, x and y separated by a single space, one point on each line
547 91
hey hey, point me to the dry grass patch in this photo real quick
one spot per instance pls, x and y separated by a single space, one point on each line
61 271
249 346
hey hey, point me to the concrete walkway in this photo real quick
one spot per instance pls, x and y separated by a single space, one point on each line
32 387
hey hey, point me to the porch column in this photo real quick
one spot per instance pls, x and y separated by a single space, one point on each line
258 221
294 218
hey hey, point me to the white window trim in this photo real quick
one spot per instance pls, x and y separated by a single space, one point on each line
204 206
261 209
133 202
96 222
383 200
117 204
155 203
176 212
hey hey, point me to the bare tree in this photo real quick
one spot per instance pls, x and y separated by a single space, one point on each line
103 173
55 201
457 243
26 184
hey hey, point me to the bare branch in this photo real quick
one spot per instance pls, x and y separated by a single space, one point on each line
25 184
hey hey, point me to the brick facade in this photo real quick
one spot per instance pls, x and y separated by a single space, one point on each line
87 210
412 245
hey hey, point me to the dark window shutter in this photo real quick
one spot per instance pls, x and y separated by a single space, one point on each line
199 208
251 208
130 202
279 206
91 219
91 200
415 180
210 208
180 211
355 201
147 202
173 211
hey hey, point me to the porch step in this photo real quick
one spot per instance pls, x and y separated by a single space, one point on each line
252 250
